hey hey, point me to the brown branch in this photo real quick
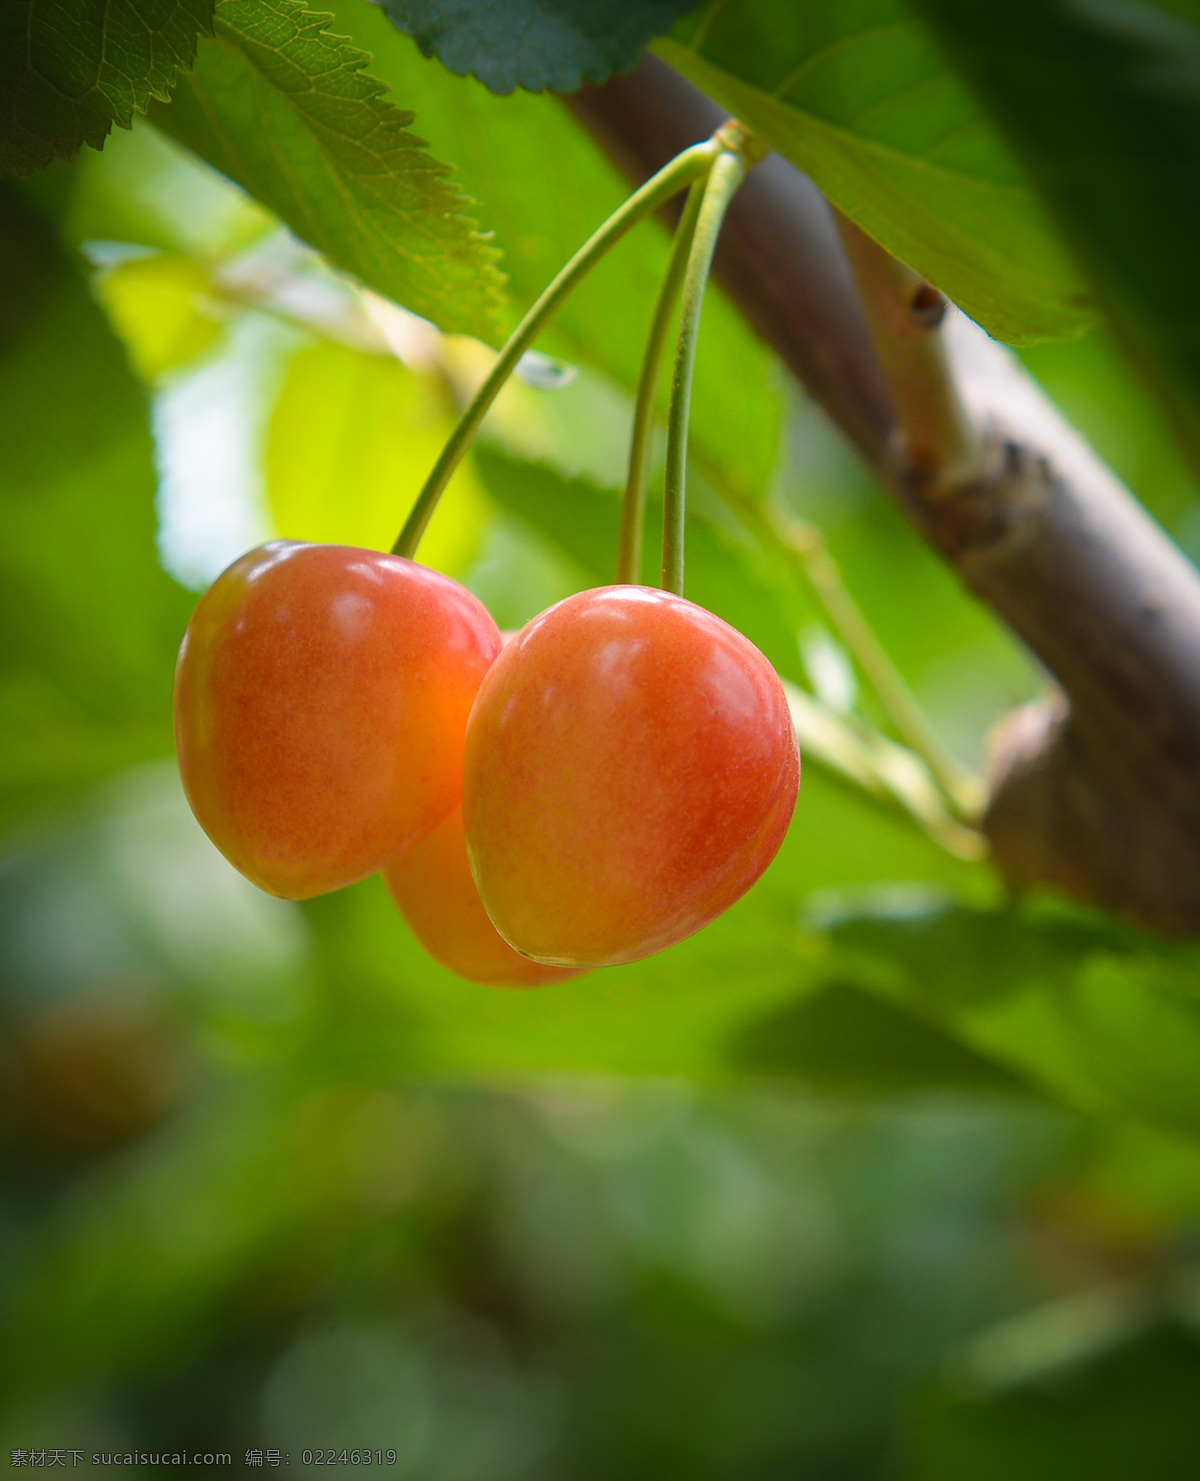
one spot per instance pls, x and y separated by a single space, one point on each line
1097 792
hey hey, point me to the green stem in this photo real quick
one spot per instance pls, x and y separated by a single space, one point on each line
723 180
671 179
804 549
633 505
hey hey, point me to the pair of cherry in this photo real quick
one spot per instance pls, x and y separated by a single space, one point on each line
597 789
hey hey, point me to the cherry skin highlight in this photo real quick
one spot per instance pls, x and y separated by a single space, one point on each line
432 887
321 698
630 770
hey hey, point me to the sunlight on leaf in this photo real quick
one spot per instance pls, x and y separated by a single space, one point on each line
351 440
860 99
287 108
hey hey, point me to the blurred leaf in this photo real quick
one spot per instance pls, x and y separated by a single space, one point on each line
1100 393
544 186
670 1014
683 1012
89 624
534 44
160 307
1100 1017
284 107
171 1233
889 772
842 1040
352 438
860 99
70 70
1101 102
145 188
1129 1414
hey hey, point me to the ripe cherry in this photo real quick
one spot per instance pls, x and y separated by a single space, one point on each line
321 697
432 886
630 770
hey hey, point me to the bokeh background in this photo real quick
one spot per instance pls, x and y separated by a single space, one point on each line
273 1180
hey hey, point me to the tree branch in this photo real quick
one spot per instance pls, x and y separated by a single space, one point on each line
1097 792
933 433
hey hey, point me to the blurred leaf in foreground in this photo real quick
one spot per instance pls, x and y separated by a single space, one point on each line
89 623
1101 1017
1119 1413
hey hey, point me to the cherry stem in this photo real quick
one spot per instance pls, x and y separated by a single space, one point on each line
633 504
670 180
723 180
803 548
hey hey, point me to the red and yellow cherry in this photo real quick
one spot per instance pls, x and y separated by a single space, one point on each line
321 698
630 770
432 886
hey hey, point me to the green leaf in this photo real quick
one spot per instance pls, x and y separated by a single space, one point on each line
1096 1015
89 623
1101 102
1126 1409
544 186
859 98
173 1263
286 109
842 1040
160 307
351 440
534 44
70 69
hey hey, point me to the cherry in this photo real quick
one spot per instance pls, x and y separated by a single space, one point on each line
630 770
432 886
321 697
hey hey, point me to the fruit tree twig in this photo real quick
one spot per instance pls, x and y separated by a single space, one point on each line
727 174
633 505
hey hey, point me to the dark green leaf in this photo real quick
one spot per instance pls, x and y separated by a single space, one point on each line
859 98
286 109
69 71
89 623
1101 102
1118 1414
534 44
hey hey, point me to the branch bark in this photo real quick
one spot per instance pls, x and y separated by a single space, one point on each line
1096 791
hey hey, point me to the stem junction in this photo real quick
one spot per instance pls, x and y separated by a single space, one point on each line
670 180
